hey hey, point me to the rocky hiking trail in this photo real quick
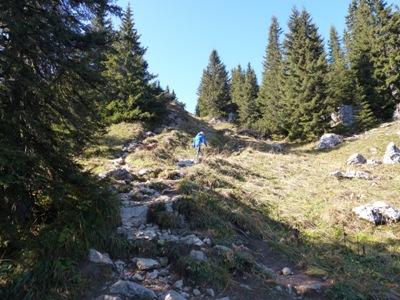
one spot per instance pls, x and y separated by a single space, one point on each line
154 277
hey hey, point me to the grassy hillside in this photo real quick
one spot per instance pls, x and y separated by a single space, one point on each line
288 198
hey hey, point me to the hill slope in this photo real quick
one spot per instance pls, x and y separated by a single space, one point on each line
284 206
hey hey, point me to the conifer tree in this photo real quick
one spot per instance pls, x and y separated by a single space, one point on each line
270 94
236 86
213 91
248 110
133 95
387 63
305 103
365 25
47 110
340 81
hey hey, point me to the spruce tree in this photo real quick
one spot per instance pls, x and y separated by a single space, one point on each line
236 86
213 91
270 94
340 81
47 113
365 45
305 105
132 94
248 110
387 63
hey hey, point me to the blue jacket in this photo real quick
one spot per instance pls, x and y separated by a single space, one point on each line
199 139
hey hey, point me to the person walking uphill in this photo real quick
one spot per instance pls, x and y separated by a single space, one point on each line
198 140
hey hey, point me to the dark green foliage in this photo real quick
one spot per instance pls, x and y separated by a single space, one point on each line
271 93
244 91
213 92
236 85
131 93
340 80
368 27
304 104
48 112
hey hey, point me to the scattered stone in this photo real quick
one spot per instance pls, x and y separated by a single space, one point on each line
173 295
276 148
328 141
222 248
97 257
286 271
356 159
133 216
131 289
137 277
196 292
378 213
143 172
357 174
392 154
185 163
120 266
152 275
146 263
337 174
198 255
192 240
210 292
308 288
179 284
373 162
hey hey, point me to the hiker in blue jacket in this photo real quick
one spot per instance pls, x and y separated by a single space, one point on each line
198 140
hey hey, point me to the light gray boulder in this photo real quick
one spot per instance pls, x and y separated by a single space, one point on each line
328 141
356 159
131 289
97 257
133 216
173 295
378 213
146 263
392 154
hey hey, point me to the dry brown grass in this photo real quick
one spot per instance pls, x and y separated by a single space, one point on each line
276 192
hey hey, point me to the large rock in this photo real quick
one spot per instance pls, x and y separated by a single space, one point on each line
356 159
131 289
344 115
328 141
133 216
97 257
378 213
392 154
146 263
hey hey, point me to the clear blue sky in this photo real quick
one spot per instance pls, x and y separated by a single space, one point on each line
180 34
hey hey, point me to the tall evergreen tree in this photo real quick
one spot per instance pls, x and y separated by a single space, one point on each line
46 110
236 84
365 46
306 111
213 91
387 63
340 81
270 94
248 110
133 95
